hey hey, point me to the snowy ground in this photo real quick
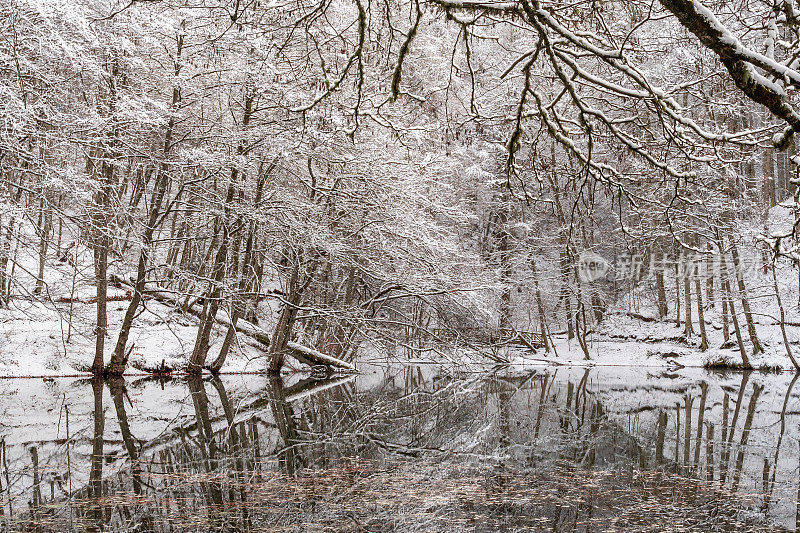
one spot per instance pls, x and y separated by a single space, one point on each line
631 334
623 340
52 334
626 341
38 337
38 340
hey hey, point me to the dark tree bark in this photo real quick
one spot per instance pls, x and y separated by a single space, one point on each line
45 226
101 217
246 281
119 358
688 329
748 315
726 334
214 293
677 295
96 469
727 288
700 315
783 320
663 309
283 328
540 306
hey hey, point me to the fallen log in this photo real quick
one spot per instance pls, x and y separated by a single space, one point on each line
303 354
300 352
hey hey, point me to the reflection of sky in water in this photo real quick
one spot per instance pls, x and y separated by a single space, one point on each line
405 449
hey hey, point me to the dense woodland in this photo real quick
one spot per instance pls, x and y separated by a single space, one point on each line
322 174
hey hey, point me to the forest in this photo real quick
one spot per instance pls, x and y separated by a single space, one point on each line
399 265
322 179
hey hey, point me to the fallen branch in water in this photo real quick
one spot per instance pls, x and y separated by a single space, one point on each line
310 356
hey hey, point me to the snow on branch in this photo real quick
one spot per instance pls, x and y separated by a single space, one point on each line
741 62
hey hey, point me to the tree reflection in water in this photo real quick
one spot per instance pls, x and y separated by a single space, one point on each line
421 450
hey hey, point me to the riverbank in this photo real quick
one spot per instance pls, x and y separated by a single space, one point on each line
625 340
39 340
56 338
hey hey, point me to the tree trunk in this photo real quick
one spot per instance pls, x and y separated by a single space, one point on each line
663 310
295 290
5 253
246 280
101 329
580 320
677 293
727 288
286 318
783 318
101 243
504 252
119 358
565 295
751 328
101 217
726 334
237 306
687 303
214 294
700 315
45 225
540 306
710 276
210 307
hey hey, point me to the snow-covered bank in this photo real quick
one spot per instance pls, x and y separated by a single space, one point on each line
624 340
37 340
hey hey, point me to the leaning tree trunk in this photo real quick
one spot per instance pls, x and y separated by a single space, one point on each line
751 328
237 307
283 330
211 306
119 358
727 290
286 319
782 317
246 280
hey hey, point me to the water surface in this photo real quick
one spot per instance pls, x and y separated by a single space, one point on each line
402 448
